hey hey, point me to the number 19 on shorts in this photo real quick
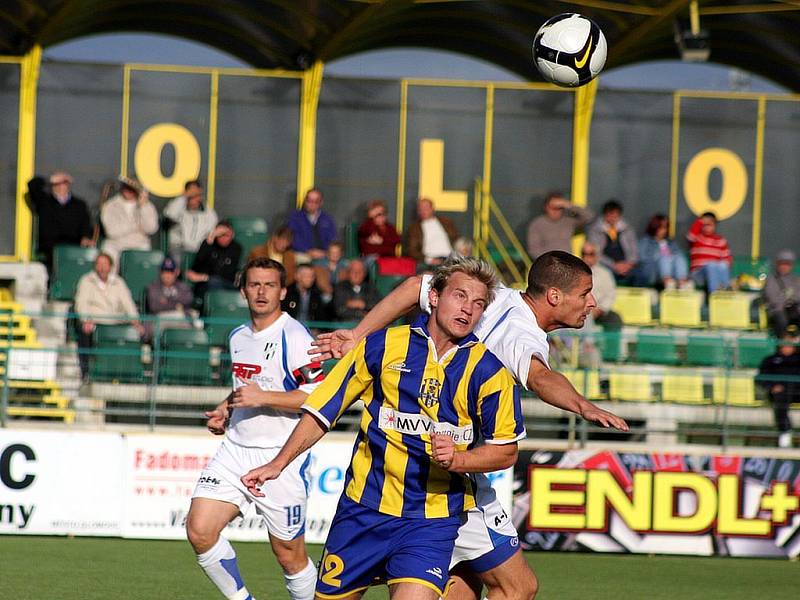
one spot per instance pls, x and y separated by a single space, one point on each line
294 515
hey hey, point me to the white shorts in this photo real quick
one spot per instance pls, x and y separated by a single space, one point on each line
284 503
487 538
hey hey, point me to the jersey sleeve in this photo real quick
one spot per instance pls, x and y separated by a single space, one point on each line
341 388
500 409
516 346
424 289
307 374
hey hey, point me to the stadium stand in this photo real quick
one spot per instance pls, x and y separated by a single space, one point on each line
70 263
118 354
680 308
139 268
250 232
186 358
225 309
634 305
730 310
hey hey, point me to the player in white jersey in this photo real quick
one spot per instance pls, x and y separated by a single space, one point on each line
272 376
514 327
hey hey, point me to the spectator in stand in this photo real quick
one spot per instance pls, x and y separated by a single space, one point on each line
354 296
332 269
304 300
63 218
615 241
430 236
709 257
604 289
279 248
169 298
781 294
189 220
216 263
463 247
661 262
312 228
780 375
129 219
554 229
376 236
102 298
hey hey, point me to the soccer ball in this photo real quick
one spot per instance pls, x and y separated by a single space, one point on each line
569 50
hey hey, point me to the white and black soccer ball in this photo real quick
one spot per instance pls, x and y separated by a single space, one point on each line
569 50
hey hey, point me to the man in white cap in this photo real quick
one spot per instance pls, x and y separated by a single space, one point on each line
781 294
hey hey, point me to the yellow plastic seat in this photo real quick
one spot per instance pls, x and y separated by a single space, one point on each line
737 390
729 309
589 385
681 308
633 305
635 387
683 388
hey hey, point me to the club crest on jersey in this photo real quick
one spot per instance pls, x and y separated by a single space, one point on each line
429 392
270 349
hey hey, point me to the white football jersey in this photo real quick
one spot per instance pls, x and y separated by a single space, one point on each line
508 328
277 359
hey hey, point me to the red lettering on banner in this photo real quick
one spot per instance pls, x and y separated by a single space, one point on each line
167 461
245 370
669 462
727 464
609 461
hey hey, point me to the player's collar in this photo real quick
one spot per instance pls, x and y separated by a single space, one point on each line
420 327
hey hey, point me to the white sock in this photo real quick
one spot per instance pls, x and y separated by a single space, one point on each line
220 565
301 585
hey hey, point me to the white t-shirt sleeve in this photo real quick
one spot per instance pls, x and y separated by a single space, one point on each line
424 289
515 345
302 369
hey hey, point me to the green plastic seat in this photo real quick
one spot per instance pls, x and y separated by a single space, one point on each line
386 283
117 354
610 345
656 347
187 258
225 310
70 263
250 232
139 268
751 350
351 249
706 350
185 357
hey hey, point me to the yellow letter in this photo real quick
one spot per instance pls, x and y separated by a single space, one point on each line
601 487
734 182
728 521
431 178
665 512
544 498
147 158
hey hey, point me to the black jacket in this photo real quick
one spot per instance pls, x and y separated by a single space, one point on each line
213 259
784 370
318 310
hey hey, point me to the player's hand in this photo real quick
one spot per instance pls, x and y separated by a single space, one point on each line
332 345
250 395
216 419
443 450
598 416
254 479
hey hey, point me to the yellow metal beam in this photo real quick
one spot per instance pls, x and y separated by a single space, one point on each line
307 146
401 156
212 139
581 128
126 118
26 148
638 33
673 174
633 9
488 132
758 178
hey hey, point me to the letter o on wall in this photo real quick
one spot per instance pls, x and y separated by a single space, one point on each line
734 182
147 158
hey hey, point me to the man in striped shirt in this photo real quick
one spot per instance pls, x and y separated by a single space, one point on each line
709 256
431 392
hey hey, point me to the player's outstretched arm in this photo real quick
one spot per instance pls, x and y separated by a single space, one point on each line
556 390
483 459
399 301
307 433
250 395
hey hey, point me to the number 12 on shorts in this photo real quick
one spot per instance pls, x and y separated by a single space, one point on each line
294 515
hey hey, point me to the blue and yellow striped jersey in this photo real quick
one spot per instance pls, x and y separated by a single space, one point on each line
407 393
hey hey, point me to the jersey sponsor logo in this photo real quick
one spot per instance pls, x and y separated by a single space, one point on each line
429 392
436 571
401 366
416 424
245 370
270 349
208 480
310 373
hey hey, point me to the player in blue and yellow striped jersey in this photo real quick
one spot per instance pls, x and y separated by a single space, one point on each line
431 391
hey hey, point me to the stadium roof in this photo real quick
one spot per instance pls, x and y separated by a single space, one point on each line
760 36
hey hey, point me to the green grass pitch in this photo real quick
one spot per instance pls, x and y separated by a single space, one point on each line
88 568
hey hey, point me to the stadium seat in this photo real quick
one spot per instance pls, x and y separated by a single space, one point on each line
185 358
386 283
708 350
139 268
656 347
610 345
117 354
225 310
187 258
730 310
250 232
752 349
737 390
683 388
351 249
586 381
630 386
634 305
70 263
681 308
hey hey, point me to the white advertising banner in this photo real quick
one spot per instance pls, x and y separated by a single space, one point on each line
60 483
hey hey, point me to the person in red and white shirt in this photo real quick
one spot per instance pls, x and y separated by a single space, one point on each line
709 256
272 376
